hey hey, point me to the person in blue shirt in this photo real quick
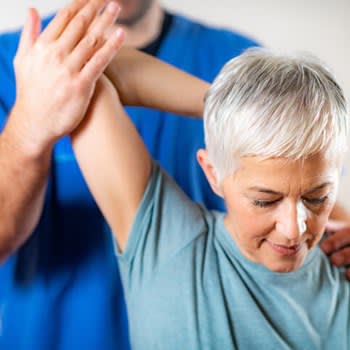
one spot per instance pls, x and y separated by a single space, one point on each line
60 286
276 131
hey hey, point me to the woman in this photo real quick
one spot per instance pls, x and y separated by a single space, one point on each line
276 129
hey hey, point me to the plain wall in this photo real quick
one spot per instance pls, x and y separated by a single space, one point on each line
319 26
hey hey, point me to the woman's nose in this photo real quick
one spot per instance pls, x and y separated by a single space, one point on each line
292 221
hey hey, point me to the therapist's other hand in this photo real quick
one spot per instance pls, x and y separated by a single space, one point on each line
337 244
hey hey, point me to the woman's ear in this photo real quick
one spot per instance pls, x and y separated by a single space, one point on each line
209 171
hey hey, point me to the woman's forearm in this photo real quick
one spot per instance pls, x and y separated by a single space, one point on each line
143 80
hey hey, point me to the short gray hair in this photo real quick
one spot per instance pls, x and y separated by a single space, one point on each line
273 105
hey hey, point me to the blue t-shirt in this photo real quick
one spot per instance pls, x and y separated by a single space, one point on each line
62 289
187 285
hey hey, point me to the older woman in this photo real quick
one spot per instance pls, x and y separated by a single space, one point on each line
276 130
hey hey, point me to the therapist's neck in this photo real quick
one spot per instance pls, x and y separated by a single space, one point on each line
146 29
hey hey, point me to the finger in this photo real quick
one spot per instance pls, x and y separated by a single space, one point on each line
99 62
79 25
60 21
341 258
96 37
336 241
31 30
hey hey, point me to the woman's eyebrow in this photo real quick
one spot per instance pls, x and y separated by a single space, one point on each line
320 187
264 190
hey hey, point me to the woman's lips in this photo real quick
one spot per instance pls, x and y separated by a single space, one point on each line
285 250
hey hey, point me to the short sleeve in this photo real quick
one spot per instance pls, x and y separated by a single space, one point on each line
3 115
166 222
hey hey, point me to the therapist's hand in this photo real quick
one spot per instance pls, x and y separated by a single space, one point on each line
337 244
56 70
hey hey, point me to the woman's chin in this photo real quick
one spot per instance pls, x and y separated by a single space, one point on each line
285 265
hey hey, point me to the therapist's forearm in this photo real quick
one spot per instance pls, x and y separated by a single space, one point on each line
23 180
143 80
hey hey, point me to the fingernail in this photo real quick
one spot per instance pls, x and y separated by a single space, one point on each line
119 33
113 7
30 13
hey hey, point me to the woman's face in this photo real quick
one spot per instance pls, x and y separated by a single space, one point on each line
278 208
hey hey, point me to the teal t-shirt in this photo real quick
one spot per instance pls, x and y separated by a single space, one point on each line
187 286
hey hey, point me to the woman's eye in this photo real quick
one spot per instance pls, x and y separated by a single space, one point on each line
263 204
316 201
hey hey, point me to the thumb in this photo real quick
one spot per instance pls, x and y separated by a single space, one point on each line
31 30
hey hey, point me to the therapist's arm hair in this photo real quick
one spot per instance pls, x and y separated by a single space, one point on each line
143 80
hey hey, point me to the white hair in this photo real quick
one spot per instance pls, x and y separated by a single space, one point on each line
272 105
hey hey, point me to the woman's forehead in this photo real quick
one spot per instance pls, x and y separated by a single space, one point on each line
281 173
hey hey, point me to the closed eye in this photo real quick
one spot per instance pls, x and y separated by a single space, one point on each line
264 203
316 201
311 201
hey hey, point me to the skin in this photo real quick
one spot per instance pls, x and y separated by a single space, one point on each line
72 53
262 198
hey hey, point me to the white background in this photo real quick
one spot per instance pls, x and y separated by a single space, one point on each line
318 26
